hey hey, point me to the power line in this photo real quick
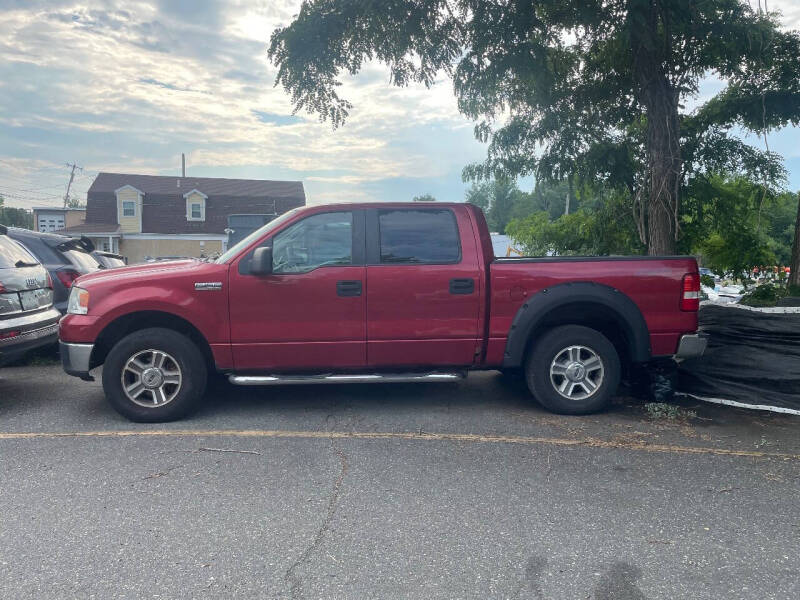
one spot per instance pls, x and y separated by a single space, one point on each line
30 193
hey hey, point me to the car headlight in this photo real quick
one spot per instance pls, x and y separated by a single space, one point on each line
78 303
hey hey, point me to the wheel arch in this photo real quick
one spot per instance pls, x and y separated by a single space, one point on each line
593 305
135 321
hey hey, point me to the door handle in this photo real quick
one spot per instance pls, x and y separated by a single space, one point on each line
462 286
348 289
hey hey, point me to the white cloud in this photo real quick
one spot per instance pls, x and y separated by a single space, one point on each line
128 85
132 70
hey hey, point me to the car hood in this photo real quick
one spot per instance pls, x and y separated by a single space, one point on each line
145 272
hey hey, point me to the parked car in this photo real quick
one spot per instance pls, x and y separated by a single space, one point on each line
109 260
377 292
64 257
27 317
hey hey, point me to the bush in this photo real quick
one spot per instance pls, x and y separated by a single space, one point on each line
764 295
707 280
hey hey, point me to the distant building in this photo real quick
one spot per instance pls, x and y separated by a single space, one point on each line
48 218
152 215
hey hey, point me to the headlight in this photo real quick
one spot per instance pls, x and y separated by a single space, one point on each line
78 303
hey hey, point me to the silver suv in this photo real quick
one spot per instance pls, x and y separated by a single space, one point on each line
28 319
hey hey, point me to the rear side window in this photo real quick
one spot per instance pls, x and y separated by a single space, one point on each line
80 258
418 236
11 253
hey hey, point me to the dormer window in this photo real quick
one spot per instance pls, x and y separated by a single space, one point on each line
129 208
195 205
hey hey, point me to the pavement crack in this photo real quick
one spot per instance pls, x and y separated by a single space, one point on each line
290 576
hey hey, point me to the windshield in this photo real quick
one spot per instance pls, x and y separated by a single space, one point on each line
258 233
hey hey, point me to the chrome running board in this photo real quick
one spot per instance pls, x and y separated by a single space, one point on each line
291 379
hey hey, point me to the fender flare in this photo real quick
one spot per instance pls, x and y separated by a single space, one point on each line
534 312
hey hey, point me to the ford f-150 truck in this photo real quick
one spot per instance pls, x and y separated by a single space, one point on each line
376 293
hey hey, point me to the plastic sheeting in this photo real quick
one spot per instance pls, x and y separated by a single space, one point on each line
752 359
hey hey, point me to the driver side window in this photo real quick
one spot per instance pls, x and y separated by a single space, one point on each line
325 239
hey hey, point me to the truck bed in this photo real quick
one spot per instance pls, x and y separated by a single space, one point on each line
652 283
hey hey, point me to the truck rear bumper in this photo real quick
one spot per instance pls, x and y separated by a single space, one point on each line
692 345
76 359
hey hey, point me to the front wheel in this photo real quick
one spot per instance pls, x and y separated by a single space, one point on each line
573 370
154 375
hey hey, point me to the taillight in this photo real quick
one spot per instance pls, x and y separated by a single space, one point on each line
49 280
690 296
2 289
9 334
67 277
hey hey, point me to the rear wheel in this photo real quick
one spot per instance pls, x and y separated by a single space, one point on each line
154 375
573 370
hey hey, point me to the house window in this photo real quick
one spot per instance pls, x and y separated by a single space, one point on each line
128 208
195 205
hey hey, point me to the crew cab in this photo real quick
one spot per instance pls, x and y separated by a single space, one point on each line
376 292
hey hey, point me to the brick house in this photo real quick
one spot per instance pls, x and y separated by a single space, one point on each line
140 216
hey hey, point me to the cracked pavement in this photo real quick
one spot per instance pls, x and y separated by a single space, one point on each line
461 490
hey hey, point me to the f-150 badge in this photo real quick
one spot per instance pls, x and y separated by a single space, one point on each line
208 285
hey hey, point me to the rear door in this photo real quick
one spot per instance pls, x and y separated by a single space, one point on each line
423 296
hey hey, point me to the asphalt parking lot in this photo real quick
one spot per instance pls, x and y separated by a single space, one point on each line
460 490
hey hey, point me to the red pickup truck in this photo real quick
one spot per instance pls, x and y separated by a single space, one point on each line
376 293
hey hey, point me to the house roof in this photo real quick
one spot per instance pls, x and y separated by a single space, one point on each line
211 186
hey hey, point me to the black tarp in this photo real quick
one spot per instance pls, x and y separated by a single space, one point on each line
753 357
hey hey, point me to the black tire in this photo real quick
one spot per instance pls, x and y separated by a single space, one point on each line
554 345
181 352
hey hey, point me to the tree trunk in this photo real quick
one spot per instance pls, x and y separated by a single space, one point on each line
651 51
794 276
663 165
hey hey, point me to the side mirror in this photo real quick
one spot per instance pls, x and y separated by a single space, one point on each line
262 261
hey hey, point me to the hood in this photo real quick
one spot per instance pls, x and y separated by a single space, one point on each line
144 272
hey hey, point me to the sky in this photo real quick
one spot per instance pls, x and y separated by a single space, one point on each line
127 86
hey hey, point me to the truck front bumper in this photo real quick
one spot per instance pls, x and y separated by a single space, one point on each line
692 345
77 359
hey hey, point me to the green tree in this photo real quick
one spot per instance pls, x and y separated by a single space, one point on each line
560 87
424 198
15 217
602 225
794 275
736 224
499 199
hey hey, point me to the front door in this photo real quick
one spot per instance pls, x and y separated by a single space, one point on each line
423 289
310 312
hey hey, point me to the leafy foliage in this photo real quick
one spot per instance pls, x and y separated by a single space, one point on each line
423 198
500 199
591 88
766 294
736 224
603 225
15 217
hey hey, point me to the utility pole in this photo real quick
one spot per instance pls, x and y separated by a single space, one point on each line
69 184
